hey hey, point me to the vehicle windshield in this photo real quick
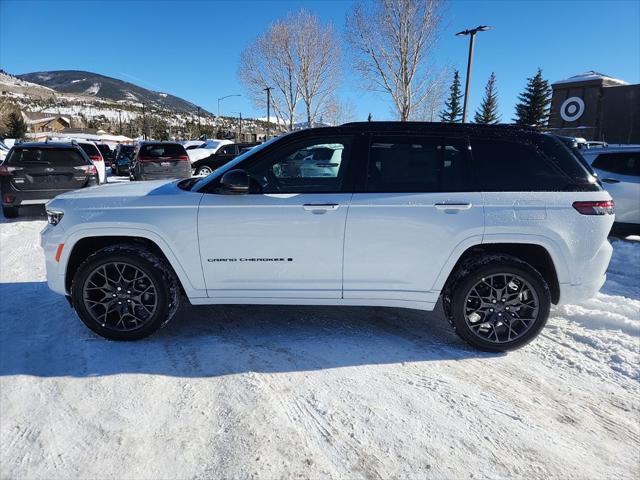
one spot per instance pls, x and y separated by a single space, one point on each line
230 165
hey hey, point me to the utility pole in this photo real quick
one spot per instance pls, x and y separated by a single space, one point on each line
472 35
120 122
268 90
144 123
199 130
239 127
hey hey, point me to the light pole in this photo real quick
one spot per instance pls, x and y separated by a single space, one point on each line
239 127
472 35
268 90
227 96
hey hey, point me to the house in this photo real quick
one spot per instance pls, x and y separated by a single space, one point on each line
45 122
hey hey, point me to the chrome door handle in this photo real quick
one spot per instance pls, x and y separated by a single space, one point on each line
320 207
453 206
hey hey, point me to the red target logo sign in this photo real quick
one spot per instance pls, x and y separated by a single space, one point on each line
572 109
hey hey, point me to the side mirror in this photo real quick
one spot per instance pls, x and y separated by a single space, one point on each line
234 182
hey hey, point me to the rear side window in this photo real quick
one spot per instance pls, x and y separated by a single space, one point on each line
416 164
514 167
622 163
125 151
228 150
162 150
90 149
47 156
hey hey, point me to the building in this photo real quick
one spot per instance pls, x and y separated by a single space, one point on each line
596 107
45 122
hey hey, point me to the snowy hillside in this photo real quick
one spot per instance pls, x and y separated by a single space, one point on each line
324 392
76 82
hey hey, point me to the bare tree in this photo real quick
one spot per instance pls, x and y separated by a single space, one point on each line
337 112
297 56
269 61
390 41
317 55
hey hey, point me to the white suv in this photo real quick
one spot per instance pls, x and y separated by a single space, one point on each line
498 221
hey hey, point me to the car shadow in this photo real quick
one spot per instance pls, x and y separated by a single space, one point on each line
40 335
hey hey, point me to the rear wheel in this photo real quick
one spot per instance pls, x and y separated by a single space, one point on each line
10 212
500 304
203 171
124 292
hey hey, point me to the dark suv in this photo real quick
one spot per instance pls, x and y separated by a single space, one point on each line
225 153
159 160
36 172
121 159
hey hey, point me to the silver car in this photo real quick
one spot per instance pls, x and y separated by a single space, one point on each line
618 168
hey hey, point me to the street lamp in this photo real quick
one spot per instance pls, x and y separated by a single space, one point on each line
472 35
227 96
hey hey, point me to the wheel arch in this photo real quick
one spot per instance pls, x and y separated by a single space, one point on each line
84 246
535 254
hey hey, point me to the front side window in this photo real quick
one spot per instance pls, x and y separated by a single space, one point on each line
622 163
316 166
416 164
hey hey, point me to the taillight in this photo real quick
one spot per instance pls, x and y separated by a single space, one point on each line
183 158
603 207
88 169
146 159
96 158
7 170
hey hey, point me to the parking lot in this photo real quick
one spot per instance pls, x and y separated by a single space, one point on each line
271 392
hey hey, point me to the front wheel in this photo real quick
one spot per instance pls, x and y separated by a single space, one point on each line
500 304
124 292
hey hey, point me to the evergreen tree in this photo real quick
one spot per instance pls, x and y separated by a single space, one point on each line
453 107
16 128
488 111
534 103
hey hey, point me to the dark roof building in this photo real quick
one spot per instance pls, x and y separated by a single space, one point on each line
595 106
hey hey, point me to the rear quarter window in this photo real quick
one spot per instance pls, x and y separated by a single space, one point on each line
522 166
89 149
622 163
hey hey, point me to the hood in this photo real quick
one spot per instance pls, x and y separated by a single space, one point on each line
119 190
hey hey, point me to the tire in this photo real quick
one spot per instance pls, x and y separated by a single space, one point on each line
116 321
495 326
203 170
10 212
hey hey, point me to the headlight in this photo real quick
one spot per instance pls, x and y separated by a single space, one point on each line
54 216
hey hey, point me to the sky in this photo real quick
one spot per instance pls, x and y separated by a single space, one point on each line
192 48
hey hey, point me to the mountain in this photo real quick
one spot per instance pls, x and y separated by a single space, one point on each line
88 84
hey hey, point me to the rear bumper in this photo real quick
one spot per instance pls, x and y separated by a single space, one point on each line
30 197
591 284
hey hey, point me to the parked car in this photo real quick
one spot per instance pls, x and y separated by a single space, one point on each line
96 157
618 168
33 173
122 159
224 154
159 160
106 152
4 150
205 149
486 218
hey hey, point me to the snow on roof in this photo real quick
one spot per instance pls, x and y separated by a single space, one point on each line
589 76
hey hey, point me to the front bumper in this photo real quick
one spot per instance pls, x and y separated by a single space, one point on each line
50 239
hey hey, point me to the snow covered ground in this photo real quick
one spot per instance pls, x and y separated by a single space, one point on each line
297 392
